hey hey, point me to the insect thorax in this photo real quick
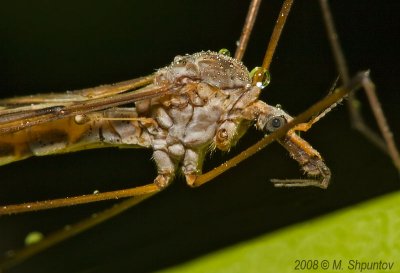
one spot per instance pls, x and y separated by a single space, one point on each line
206 110
209 67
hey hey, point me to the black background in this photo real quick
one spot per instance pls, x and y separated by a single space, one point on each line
63 45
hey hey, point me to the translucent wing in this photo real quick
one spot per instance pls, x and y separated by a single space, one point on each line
81 94
22 112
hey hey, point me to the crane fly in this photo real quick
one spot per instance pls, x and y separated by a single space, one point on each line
199 103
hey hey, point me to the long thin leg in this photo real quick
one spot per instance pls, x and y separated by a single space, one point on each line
273 42
303 118
83 199
261 74
61 235
247 29
276 34
386 144
166 169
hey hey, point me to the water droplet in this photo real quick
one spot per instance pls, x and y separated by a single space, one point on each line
81 119
225 52
33 237
259 85
260 77
179 60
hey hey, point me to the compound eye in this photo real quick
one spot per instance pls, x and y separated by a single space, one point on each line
275 123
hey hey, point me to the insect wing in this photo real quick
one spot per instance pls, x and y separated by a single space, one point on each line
19 113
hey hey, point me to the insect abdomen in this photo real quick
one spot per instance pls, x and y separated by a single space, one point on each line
68 135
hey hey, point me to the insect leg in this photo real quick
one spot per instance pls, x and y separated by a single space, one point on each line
308 158
72 230
83 199
318 107
386 144
318 174
247 28
166 170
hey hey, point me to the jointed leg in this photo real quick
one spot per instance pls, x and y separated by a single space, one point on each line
63 234
76 200
319 107
166 170
165 176
386 144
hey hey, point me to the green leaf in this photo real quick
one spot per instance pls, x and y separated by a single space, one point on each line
349 240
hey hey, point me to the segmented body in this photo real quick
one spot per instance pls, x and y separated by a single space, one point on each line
211 104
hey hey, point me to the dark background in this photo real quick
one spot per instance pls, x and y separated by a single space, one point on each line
63 45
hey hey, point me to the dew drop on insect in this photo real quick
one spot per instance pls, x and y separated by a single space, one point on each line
179 59
225 52
260 77
81 119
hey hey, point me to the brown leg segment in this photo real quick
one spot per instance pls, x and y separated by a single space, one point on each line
137 194
386 144
319 107
61 235
159 184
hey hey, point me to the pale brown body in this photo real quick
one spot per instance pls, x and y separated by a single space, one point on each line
213 107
